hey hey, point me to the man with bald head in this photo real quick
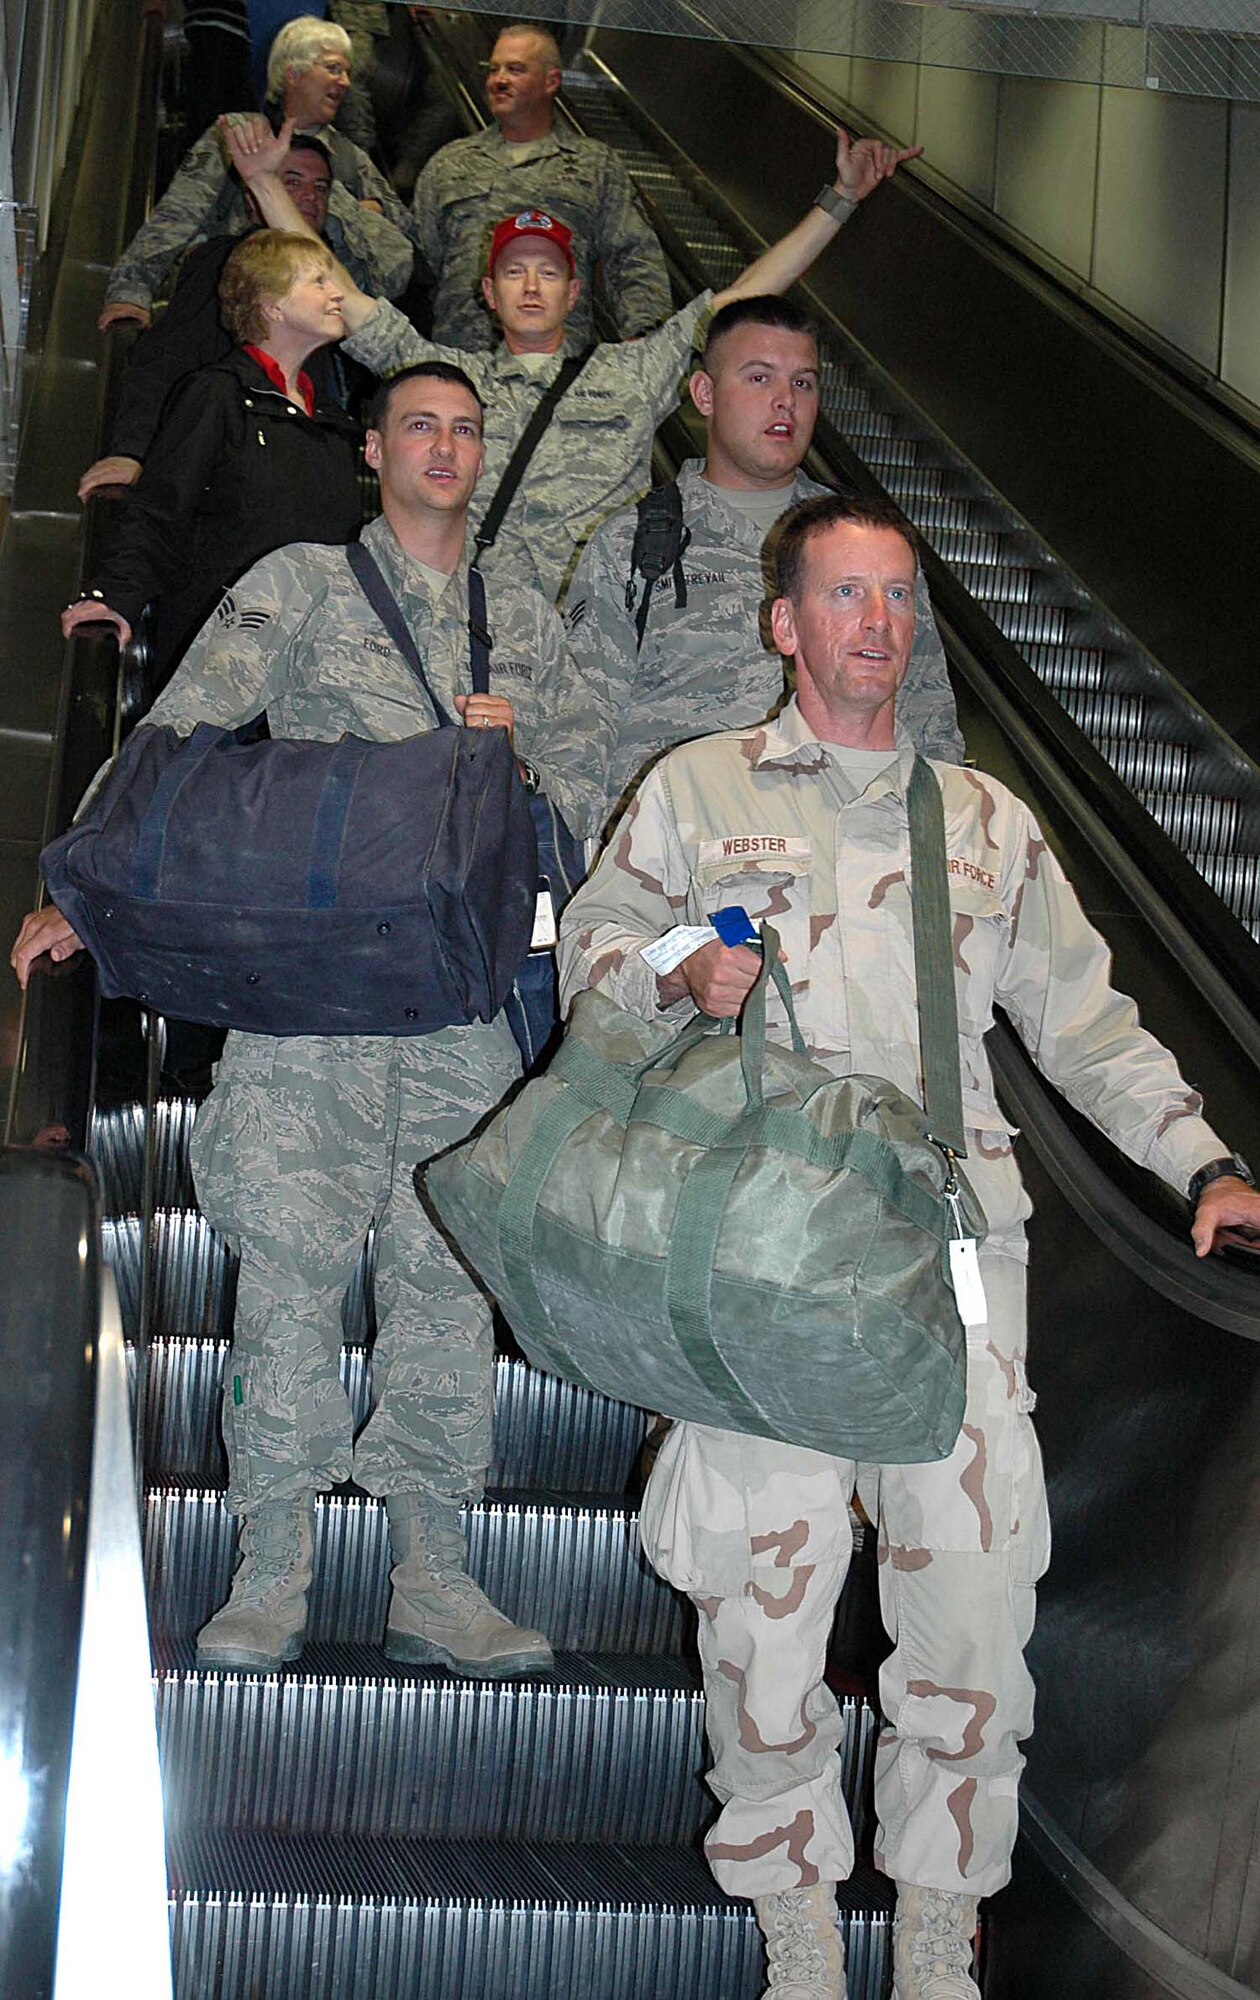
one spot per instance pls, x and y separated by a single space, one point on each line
524 160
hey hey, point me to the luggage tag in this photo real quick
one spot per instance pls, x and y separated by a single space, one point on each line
964 1264
545 934
734 926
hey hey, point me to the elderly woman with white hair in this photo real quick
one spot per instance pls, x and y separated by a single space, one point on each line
308 74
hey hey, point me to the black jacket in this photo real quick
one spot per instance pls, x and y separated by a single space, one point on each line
235 471
189 334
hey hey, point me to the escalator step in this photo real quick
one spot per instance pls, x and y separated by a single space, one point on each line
548 1433
303 1919
117 1146
575 1571
347 1744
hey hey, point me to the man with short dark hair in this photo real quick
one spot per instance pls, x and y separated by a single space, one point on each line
306 1140
524 160
803 821
692 653
596 451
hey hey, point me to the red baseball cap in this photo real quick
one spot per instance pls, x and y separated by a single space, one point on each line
530 222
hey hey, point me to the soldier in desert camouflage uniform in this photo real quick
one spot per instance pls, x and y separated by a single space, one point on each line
308 74
305 1140
522 161
804 819
709 662
596 452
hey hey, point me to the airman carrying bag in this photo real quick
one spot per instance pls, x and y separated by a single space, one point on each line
718 1228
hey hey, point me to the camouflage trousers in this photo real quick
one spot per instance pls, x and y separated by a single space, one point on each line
302 1143
759 1534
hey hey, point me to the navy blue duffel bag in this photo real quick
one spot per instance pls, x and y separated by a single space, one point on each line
347 888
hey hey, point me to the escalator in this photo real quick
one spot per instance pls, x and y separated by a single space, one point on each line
345 1828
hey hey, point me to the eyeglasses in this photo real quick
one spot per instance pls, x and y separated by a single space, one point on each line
334 67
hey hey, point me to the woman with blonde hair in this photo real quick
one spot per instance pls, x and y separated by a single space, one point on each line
245 458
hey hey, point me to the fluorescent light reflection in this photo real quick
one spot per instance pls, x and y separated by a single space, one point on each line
15 1812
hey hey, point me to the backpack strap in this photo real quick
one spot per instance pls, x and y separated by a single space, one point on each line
660 542
526 444
368 576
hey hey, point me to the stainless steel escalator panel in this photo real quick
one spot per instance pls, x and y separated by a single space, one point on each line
456 1922
348 1745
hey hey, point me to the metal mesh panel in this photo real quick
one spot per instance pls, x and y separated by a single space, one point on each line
1200 48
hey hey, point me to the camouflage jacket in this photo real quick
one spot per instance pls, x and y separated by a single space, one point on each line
728 820
470 185
711 664
595 454
297 637
204 200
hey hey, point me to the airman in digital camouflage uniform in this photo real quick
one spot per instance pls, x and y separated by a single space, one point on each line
707 660
308 73
804 818
524 160
305 1140
596 452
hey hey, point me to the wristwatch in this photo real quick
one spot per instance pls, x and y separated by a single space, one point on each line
1230 1167
837 205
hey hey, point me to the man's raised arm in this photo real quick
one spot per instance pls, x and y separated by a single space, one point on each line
258 155
860 167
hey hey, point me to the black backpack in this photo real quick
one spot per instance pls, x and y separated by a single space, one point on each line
661 539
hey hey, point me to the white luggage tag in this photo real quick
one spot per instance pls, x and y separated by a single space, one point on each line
665 952
546 936
964 1265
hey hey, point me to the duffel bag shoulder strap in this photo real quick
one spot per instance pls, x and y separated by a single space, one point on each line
934 961
371 581
478 633
526 445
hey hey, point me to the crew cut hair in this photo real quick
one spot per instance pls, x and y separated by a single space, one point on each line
437 371
552 59
762 310
259 272
809 518
300 44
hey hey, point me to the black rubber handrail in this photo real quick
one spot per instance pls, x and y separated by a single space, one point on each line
50 1284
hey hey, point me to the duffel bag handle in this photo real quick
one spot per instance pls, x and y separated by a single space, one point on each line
752 1027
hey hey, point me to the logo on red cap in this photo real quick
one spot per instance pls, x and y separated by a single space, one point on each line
530 222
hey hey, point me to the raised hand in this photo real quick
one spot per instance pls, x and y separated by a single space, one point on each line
861 164
252 147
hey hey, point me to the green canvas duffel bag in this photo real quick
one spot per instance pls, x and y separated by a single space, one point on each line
718 1228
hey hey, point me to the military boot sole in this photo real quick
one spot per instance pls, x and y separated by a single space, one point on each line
227 1658
410 1650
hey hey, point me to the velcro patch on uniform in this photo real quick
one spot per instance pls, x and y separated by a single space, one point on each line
378 646
520 670
574 614
754 847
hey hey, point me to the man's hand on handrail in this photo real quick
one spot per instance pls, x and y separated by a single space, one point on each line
43 931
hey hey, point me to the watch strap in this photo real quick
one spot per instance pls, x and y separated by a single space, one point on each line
839 206
1228 1167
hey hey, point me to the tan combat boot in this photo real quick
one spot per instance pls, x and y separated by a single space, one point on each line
263 1623
804 1948
932 1934
437 1615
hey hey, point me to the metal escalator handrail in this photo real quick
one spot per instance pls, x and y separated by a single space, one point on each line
50 1282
